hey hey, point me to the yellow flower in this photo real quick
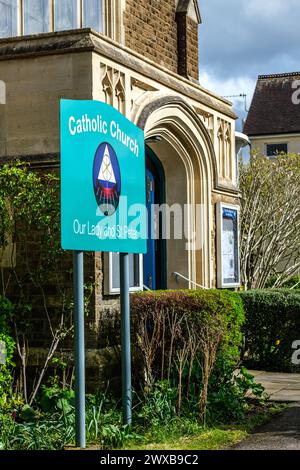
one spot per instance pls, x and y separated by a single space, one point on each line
277 342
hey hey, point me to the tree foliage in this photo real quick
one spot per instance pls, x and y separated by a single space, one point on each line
32 262
270 219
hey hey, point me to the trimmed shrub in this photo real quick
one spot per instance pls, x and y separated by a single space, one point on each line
272 325
178 336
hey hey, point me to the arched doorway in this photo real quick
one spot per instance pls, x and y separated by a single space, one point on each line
154 262
182 144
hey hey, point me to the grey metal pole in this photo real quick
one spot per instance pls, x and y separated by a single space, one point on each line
79 349
125 338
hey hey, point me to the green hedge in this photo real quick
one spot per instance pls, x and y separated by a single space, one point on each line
272 325
155 314
292 283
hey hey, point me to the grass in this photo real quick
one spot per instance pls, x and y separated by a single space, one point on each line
213 439
199 438
173 434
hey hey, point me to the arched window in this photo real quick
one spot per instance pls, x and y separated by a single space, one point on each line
22 17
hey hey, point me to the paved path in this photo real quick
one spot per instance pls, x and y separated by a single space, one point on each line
280 387
281 433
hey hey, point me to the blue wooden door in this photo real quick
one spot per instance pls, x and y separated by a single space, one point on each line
150 257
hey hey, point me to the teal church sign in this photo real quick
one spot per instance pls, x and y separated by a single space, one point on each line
103 194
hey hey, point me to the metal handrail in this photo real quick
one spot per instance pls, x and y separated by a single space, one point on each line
177 275
146 288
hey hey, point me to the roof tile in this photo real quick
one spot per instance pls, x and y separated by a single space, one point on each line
272 110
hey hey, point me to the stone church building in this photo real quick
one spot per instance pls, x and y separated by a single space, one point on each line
140 56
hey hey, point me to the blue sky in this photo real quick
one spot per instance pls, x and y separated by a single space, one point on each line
241 39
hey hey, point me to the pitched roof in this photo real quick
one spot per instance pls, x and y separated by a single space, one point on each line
272 110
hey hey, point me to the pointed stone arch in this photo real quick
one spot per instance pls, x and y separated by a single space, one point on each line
194 168
179 103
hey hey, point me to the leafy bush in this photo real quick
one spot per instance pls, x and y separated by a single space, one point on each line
8 400
272 325
179 335
229 391
55 398
29 216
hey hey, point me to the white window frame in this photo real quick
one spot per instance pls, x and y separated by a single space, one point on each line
112 19
220 281
108 276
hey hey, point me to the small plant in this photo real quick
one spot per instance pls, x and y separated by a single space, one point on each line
229 392
55 398
159 404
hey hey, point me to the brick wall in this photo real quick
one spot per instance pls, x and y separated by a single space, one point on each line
151 30
187 46
192 49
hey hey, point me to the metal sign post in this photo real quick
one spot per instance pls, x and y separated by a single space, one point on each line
125 338
102 163
79 348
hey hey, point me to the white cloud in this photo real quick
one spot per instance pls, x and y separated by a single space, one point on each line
269 8
241 39
249 37
230 86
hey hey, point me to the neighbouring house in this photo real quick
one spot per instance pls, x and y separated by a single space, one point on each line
273 121
140 56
